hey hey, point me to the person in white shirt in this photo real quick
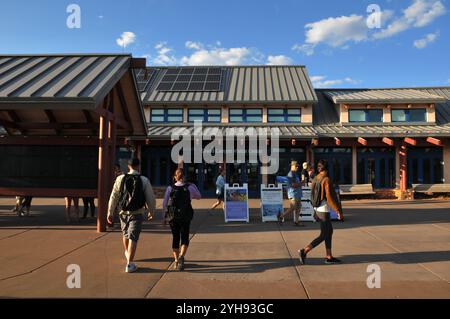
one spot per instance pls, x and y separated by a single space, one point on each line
131 220
220 189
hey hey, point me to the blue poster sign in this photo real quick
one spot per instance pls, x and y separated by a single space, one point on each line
236 203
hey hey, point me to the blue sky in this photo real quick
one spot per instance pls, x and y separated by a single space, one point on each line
411 47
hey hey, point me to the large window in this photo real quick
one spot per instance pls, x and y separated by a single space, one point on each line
284 115
409 115
372 115
339 163
204 115
166 116
245 115
376 166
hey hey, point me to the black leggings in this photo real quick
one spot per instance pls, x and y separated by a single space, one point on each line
326 232
180 231
89 201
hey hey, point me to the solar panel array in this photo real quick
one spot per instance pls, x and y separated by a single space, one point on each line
143 78
191 79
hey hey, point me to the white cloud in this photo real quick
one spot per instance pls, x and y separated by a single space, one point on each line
165 56
100 16
307 49
126 39
194 45
344 30
321 81
429 38
423 12
220 56
279 60
419 14
336 31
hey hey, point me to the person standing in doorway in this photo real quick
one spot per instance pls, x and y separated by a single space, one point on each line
220 189
133 196
306 180
323 196
179 213
294 191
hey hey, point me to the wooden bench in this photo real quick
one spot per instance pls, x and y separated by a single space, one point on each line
356 189
431 188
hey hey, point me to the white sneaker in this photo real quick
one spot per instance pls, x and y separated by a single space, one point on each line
131 267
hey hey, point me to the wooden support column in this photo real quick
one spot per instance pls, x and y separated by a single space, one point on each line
112 137
138 153
403 167
447 161
102 174
309 155
354 165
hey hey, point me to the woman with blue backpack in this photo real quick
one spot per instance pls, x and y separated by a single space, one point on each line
179 214
323 196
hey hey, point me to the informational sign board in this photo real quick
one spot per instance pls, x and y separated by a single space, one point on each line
236 203
307 212
271 202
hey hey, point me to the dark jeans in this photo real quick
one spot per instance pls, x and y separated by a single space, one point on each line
88 201
180 232
326 232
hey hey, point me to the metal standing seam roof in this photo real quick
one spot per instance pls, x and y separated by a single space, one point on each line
164 132
383 96
58 79
242 85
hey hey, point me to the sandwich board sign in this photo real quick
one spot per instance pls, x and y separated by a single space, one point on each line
307 212
271 202
236 203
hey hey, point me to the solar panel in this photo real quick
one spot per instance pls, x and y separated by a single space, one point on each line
143 78
191 79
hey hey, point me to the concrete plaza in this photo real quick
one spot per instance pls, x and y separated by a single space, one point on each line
409 240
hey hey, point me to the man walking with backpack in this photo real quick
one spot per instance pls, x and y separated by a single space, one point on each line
132 196
323 196
179 214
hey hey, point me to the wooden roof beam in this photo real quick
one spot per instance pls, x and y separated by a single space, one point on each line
410 141
434 141
52 119
362 141
388 141
337 141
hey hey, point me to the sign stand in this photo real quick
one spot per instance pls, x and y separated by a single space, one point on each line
236 203
271 202
307 212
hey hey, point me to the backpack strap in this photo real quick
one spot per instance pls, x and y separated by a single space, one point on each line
122 182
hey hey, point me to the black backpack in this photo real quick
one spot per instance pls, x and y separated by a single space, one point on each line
179 206
132 195
316 192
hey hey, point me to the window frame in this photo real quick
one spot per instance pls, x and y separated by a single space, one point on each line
408 115
285 115
245 115
366 115
205 114
166 115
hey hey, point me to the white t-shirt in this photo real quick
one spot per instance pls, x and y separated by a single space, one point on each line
323 208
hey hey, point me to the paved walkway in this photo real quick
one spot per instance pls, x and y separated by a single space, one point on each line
409 240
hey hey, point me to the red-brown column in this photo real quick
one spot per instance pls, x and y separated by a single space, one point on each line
403 167
112 134
102 175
